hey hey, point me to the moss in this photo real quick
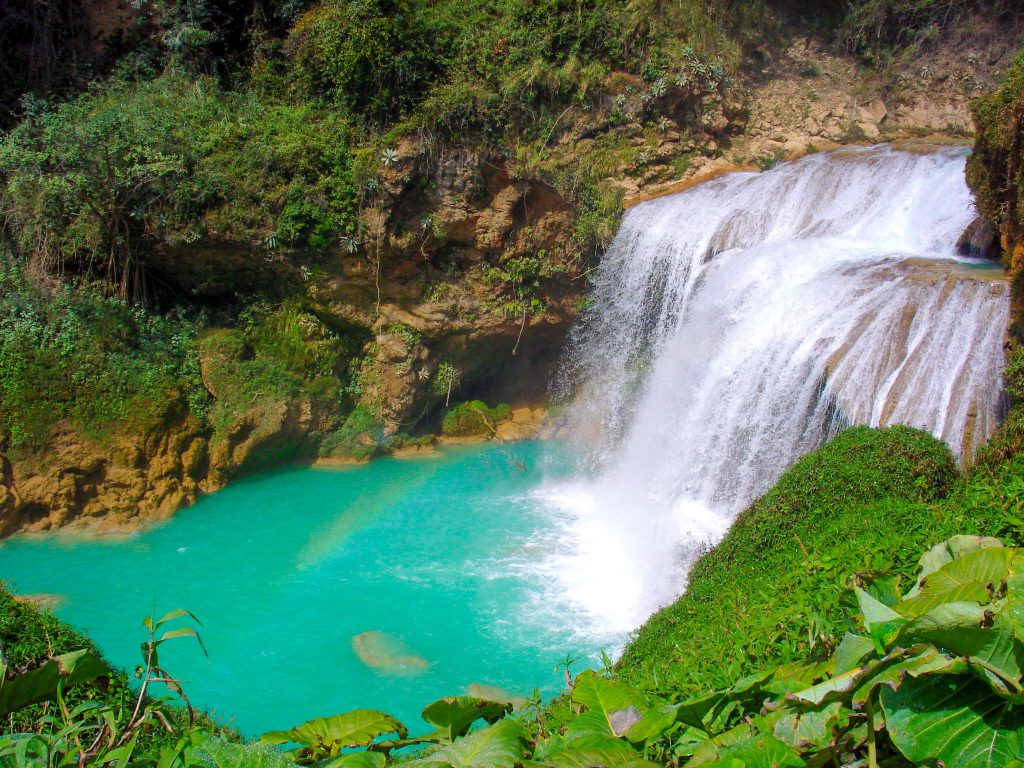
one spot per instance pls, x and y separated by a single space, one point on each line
472 418
769 591
360 437
994 170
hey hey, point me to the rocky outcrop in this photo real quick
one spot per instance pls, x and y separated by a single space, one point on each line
995 172
480 274
131 479
808 98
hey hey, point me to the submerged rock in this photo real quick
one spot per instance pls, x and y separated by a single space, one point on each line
43 601
379 650
494 693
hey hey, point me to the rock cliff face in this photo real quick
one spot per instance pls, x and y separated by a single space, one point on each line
451 277
996 174
472 269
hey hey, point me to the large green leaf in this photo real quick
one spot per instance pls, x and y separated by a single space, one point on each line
838 687
920 660
1015 594
968 629
948 551
851 653
350 729
806 729
217 752
758 750
497 746
40 684
363 759
453 715
607 751
655 721
965 579
612 708
797 676
955 720
881 621
693 712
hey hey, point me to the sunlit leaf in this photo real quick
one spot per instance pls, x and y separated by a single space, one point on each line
497 746
948 551
453 715
953 719
603 699
350 729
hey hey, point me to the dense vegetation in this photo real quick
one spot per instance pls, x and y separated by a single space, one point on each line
815 603
995 170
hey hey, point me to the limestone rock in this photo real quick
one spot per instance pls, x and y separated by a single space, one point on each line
980 240
497 221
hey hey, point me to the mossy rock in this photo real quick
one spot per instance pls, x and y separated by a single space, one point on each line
473 418
995 169
360 437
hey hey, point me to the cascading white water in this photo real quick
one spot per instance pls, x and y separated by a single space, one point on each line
740 324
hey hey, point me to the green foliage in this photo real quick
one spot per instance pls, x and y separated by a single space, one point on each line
995 170
374 57
95 724
360 437
94 185
100 363
57 674
473 418
873 27
454 715
29 637
278 354
326 736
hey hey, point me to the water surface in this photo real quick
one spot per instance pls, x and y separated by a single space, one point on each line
427 566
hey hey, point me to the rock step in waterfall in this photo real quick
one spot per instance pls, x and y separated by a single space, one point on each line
742 323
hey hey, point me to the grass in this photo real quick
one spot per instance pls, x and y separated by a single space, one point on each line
871 500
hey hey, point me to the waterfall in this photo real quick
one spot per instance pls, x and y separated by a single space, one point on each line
740 324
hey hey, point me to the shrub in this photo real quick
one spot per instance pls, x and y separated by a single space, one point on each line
100 363
995 170
372 56
473 418
360 437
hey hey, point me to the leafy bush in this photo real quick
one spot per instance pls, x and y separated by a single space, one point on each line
278 354
372 56
360 437
995 169
102 701
93 186
472 418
